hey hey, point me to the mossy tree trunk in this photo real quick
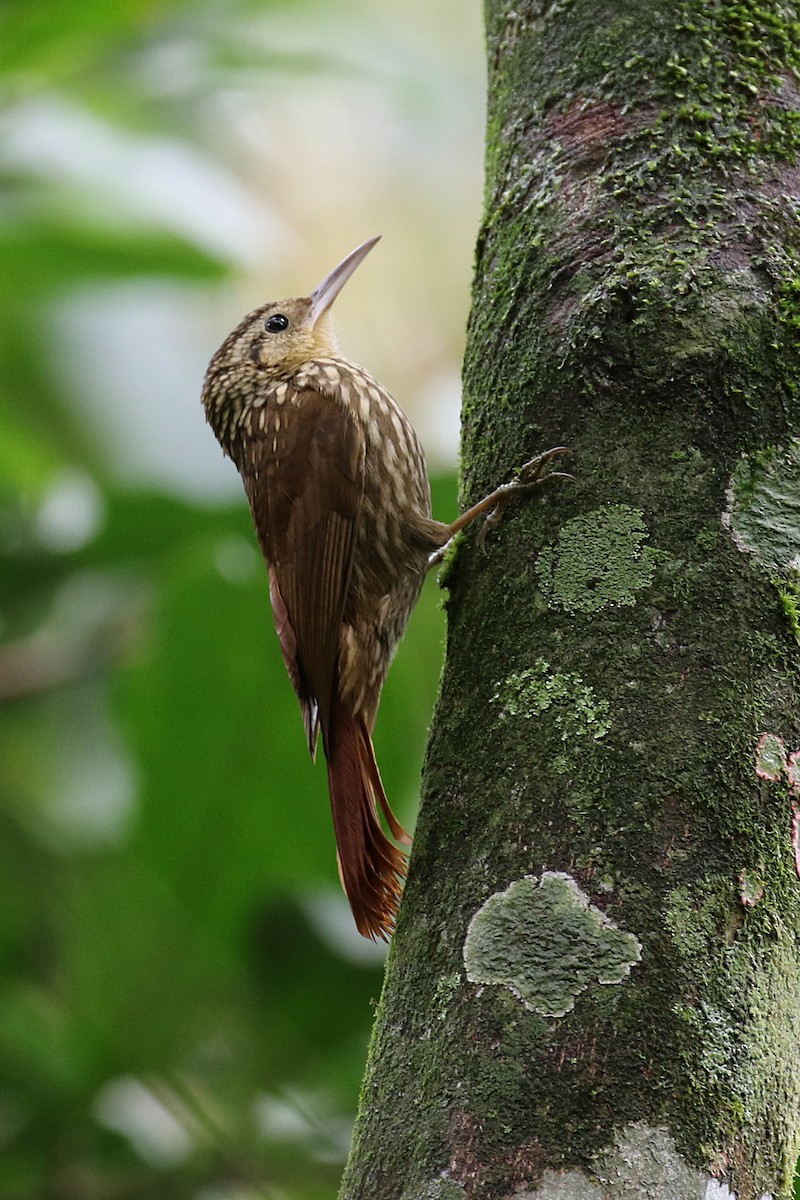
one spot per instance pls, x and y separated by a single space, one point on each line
594 990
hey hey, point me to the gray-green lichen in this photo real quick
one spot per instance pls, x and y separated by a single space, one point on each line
751 886
771 760
572 704
763 518
763 513
546 942
598 561
644 1162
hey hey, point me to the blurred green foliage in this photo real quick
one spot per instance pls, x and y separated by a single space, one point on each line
184 1006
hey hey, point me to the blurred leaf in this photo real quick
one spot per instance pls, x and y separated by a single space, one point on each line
185 951
26 460
40 260
57 40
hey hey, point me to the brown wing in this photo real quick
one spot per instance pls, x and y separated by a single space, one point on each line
305 487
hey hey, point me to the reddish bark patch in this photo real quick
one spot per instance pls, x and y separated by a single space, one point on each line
586 131
466 1160
575 1048
793 771
580 140
478 1161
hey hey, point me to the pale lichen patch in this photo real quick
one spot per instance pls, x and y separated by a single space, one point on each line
598 561
751 886
770 756
793 771
545 942
643 1163
763 519
763 513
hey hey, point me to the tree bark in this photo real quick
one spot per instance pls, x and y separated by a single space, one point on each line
594 989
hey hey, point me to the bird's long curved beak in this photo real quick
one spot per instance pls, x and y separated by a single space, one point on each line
323 296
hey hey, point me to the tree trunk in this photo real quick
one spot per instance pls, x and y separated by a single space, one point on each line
594 990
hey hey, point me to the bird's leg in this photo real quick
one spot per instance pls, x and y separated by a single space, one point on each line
531 475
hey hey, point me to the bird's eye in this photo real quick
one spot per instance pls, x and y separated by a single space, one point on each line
276 323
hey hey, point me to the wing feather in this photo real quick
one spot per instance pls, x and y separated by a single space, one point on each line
305 489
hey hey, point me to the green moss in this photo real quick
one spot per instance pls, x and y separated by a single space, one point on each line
789 595
696 916
598 561
771 1070
446 990
545 942
672 214
706 538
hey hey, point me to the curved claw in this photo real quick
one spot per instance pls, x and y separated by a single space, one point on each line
531 474
531 471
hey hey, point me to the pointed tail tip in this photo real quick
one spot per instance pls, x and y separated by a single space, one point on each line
371 867
375 906
375 915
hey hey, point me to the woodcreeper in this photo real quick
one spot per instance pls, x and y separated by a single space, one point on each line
339 494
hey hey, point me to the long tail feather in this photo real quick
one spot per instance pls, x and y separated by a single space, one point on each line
371 867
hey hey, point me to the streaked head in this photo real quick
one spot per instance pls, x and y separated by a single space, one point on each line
284 334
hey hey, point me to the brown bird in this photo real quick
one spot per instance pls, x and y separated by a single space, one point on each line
339 493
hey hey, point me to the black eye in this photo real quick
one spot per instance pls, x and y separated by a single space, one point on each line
276 323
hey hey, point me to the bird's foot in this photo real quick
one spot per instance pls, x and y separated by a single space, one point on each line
531 475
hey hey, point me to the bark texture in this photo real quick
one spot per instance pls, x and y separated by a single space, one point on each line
594 990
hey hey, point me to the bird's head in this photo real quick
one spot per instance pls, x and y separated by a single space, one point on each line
284 334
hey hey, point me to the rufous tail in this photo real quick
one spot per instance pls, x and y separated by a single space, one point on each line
371 867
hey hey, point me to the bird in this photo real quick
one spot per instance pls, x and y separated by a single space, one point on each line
339 494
